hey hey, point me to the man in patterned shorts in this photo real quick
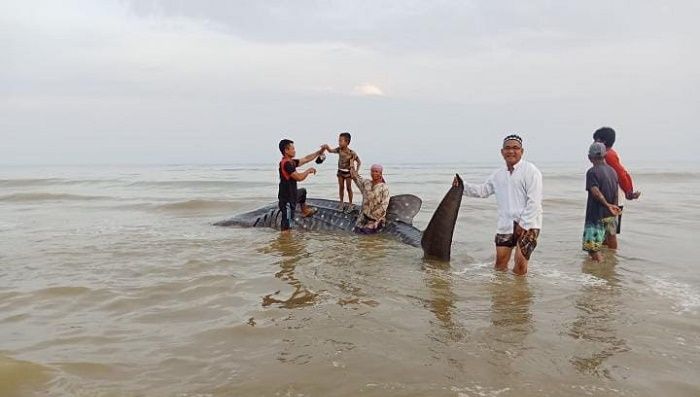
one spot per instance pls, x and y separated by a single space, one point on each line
601 208
518 190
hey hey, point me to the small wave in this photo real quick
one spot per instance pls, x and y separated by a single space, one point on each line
477 390
19 378
662 175
29 182
228 184
61 291
7 226
83 368
557 277
39 196
445 182
51 182
555 202
469 268
645 174
198 206
685 298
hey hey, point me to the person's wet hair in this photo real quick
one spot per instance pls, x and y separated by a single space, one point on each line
283 145
605 135
346 135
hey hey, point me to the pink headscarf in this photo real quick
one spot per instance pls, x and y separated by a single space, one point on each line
378 167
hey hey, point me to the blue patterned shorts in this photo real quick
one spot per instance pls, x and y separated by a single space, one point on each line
594 233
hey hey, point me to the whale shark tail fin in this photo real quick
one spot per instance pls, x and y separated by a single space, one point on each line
437 237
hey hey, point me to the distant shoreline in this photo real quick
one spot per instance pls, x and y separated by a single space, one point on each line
633 166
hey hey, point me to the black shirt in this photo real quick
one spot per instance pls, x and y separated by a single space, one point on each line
288 187
605 179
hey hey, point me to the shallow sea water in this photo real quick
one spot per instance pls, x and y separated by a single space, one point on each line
114 283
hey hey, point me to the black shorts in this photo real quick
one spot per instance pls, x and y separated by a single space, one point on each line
526 240
287 209
343 174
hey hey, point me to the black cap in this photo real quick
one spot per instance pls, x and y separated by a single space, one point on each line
513 137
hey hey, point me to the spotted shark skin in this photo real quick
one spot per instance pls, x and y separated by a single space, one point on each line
328 218
436 241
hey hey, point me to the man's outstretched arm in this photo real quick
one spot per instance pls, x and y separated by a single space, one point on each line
311 156
476 190
300 176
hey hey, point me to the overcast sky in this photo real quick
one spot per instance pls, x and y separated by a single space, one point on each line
207 81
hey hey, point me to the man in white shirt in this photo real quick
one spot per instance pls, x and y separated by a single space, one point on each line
518 190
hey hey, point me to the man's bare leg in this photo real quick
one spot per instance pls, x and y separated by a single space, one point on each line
611 241
520 267
502 258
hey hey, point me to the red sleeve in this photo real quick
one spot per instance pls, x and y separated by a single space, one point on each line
623 177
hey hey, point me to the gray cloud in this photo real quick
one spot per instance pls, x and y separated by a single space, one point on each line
219 81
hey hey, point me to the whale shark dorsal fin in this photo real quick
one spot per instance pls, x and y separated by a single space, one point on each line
437 237
403 208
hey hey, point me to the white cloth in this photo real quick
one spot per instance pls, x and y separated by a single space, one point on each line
518 196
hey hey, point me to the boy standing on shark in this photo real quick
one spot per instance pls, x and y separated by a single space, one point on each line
347 160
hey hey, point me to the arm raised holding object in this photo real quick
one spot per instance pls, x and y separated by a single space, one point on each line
329 149
312 156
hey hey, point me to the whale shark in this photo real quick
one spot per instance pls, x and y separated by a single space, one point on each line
436 240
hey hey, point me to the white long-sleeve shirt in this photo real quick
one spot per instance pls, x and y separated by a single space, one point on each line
518 196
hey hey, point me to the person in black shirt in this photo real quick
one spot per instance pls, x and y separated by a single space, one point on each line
289 195
601 208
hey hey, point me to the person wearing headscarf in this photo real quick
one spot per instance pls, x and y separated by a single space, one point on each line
375 200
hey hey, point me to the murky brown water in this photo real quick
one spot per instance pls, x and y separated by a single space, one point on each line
113 283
